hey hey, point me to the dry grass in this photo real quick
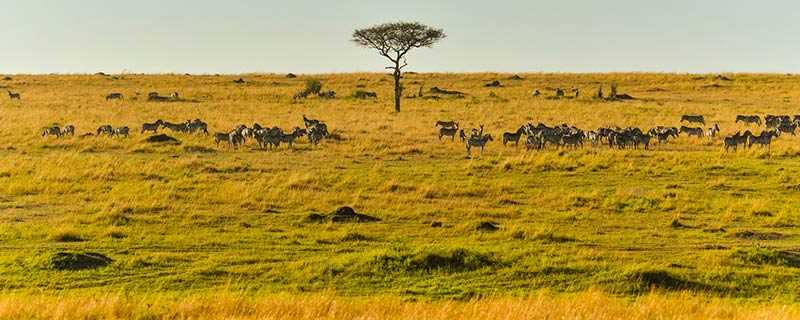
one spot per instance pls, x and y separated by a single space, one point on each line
588 305
185 220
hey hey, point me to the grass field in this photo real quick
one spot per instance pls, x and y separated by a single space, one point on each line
186 220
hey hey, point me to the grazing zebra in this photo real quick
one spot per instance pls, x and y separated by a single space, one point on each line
114 96
643 139
69 130
693 119
152 126
14 96
196 126
448 132
513 136
51 131
534 142
731 143
713 131
316 133
572 140
105 129
220 136
121 132
175 127
289 138
754 119
764 139
479 141
692 131
310 122
235 140
787 128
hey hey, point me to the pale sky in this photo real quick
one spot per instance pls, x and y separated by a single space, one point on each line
204 36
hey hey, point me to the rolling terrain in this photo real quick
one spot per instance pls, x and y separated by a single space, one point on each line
683 223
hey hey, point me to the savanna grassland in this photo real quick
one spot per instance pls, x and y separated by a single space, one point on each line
681 229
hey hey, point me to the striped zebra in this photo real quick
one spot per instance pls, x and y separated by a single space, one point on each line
114 96
478 141
152 126
69 130
105 129
14 95
120 132
51 131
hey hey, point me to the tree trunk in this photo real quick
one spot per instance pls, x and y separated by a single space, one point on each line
397 87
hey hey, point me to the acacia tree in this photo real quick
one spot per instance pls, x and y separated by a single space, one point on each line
394 41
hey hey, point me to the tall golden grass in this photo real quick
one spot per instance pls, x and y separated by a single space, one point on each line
592 305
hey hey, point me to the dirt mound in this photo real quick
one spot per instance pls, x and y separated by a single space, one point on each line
646 280
78 261
6 78
754 235
162 138
239 81
347 214
493 84
436 224
291 75
487 226
723 78
437 90
515 77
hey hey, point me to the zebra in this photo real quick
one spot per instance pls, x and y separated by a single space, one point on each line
693 119
289 138
69 130
572 140
731 142
121 132
152 126
175 127
14 95
764 139
643 139
310 122
196 126
692 131
513 136
713 131
447 131
788 128
52 131
114 96
221 136
105 129
316 133
479 141
754 119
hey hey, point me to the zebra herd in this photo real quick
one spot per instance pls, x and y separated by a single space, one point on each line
269 137
541 136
